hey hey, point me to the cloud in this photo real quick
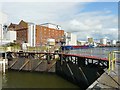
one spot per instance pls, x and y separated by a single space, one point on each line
97 24
93 24
40 12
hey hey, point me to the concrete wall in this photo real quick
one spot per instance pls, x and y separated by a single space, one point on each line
31 34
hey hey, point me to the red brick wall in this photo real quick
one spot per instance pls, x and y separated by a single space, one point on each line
22 35
43 33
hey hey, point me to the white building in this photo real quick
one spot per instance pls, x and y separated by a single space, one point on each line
5 35
3 21
71 39
113 42
31 34
103 41
50 25
11 36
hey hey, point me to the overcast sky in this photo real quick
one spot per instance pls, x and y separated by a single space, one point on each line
85 19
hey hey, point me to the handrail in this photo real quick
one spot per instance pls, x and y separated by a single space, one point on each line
112 60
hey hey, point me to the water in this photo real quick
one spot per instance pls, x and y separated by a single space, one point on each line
15 79
99 52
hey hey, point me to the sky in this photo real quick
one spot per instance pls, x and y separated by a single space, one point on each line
92 18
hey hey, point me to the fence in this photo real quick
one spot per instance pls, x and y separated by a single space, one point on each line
112 57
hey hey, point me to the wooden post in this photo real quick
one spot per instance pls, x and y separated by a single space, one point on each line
4 66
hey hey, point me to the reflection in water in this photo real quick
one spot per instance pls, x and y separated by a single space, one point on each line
4 80
0 80
15 79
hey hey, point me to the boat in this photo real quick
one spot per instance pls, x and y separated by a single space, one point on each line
72 47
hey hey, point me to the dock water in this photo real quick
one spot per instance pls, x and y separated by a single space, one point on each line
27 62
0 79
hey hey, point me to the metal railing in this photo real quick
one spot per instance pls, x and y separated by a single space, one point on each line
112 60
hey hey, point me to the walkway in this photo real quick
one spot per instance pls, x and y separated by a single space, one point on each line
108 79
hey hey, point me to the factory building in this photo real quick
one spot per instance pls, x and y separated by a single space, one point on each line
35 35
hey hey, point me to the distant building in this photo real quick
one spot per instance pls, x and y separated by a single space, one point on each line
90 40
113 42
35 35
103 41
70 38
82 42
118 43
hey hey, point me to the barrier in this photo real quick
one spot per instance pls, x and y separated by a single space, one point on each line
112 60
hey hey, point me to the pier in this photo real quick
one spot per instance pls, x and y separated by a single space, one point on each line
81 70
78 69
84 71
3 62
32 61
111 77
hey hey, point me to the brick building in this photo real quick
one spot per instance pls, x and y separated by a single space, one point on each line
21 31
35 35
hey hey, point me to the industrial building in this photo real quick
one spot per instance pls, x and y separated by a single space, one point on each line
103 41
36 35
90 40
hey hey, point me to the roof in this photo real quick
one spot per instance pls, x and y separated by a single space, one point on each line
49 23
12 25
